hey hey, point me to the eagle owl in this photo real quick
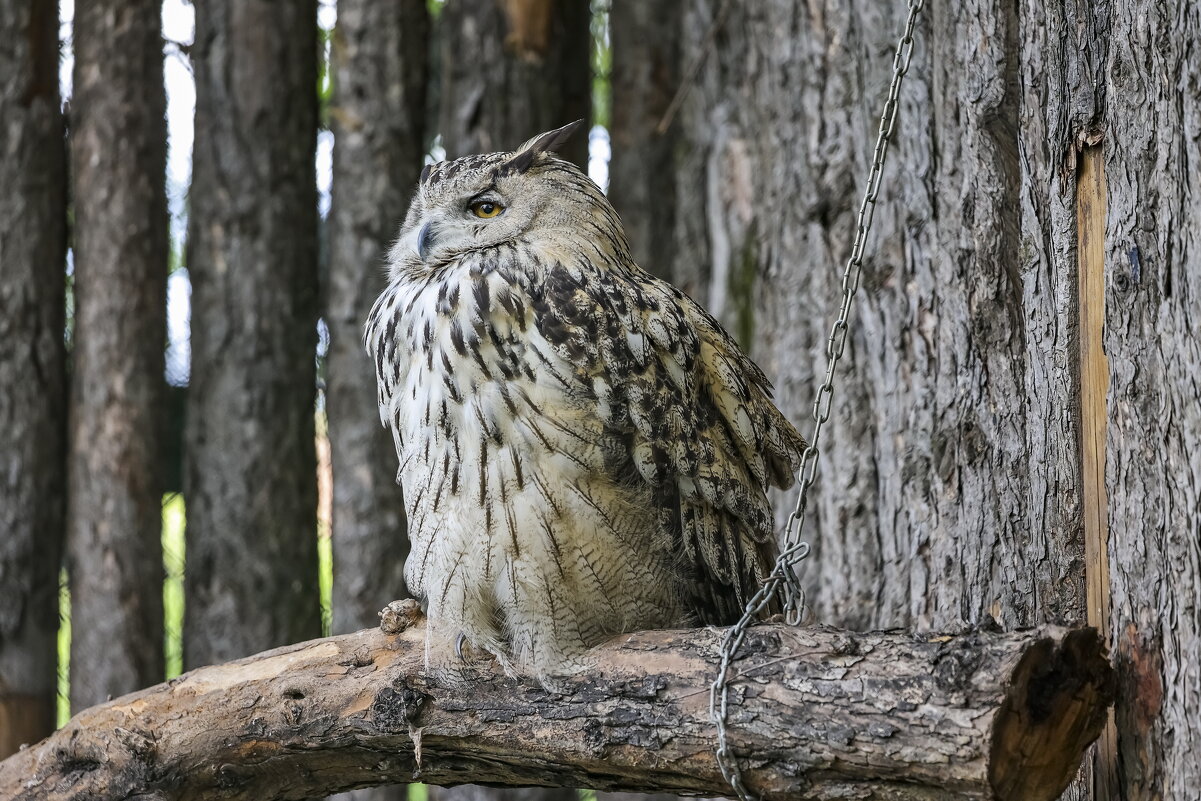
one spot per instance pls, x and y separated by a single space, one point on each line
583 450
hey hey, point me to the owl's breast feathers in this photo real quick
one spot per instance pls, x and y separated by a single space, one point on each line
621 378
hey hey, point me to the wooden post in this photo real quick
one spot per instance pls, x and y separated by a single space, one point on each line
1094 388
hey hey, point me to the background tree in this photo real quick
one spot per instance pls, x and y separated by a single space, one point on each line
380 60
250 469
114 519
645 78
378 154
33 417
528 72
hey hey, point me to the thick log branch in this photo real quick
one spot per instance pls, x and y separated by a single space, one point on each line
816 713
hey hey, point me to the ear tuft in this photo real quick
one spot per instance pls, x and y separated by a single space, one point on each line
542 143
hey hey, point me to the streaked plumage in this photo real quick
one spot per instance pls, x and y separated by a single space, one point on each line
583 450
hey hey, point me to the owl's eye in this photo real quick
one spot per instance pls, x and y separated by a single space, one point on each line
486 209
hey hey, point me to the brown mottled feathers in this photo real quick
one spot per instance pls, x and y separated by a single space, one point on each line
695 416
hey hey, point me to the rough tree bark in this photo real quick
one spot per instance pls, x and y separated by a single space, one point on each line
250 469
1152 150
380 56
826 714
33 418
117 413
527 72
952 487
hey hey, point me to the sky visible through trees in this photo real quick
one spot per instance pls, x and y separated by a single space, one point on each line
179 24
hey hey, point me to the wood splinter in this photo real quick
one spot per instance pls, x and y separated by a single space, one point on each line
816 713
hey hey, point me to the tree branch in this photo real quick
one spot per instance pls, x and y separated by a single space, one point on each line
823 713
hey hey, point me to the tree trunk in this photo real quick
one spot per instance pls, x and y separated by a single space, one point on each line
955 484
826 714
1152 150
114 518
645 79
250 471
33 419
378 121
511 69
380 61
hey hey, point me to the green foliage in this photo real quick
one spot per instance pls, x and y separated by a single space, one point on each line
602 64
174 524
325 73
63 710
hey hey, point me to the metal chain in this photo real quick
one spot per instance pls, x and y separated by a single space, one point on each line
783 574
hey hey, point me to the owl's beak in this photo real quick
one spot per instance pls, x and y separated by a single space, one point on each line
425 240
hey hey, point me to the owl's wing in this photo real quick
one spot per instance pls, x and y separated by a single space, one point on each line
696 415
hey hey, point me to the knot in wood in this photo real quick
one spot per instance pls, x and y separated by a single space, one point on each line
396 708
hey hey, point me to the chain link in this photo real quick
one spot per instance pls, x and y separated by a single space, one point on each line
783 576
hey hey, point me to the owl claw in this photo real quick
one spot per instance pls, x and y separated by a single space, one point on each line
459 646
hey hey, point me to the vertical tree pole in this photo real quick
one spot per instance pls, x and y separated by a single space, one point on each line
646 77
380 60
250 466
118 167
33 400
528 72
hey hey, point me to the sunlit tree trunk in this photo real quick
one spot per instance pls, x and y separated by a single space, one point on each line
118 169
250 474
32 368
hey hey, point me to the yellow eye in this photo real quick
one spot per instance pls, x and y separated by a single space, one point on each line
486 209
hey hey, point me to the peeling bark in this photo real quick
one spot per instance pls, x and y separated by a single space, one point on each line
824 713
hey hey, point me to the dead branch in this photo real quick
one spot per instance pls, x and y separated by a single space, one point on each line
816 713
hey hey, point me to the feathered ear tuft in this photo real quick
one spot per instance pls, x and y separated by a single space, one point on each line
542 143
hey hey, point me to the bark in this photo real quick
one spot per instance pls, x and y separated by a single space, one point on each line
642 172
956 368
952 487
1152 148
250 470
826 714
117 414
32 368
378 118
511 69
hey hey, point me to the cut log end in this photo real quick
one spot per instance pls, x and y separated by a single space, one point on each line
1055 706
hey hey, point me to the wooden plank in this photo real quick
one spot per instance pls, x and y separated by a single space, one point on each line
1094 389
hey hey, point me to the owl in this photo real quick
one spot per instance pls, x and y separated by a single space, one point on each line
583 450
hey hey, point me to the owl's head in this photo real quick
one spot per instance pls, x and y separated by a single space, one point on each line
527 197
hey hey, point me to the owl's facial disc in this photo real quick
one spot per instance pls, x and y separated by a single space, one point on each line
466 211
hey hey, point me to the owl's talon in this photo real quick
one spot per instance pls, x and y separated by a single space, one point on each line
459 646
399 615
